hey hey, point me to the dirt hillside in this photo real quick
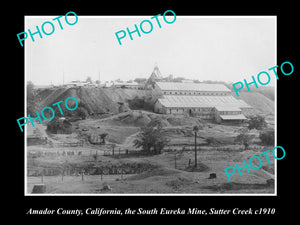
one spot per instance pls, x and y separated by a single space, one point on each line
95 100
259 102
105 100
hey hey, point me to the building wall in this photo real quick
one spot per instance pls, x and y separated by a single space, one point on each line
228 112
247 111
203 113
159 108
218 119
188 92
209 113
176 110
202 93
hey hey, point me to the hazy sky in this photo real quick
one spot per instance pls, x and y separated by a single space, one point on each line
204 48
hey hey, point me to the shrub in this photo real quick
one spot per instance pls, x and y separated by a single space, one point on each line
57 126
244 139
257 122
152 138
267 137
82 112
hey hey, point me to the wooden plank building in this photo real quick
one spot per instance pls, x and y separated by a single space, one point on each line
206 101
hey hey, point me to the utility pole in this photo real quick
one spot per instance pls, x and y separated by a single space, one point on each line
98 81
196 150
195 129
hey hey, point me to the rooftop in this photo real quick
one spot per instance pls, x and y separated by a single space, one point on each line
233 117
227 108
177 86
183 101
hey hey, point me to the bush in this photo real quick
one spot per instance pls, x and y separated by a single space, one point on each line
136 103
244 139
152 139
211 141
56 126
82 112
267 137
257 122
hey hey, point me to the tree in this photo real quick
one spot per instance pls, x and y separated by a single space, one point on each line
57 126
267 137
244 139
140 80
82 112
119 80
211 141
257 122
152 138
103 136
31 99
178 79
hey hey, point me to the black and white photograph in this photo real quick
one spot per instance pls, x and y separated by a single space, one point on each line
141 111
146 105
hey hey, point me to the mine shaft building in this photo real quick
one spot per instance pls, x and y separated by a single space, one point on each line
205 101
154 77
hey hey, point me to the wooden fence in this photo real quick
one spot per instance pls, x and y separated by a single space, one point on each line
80 176
211 148
104 173
65 144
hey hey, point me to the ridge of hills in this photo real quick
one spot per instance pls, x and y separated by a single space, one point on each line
94 100
106 100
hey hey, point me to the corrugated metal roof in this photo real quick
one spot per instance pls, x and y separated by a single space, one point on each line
227 108
177 86
184 101
233 117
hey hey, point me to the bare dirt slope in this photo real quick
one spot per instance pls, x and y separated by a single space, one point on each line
259 102
105 100
95 100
